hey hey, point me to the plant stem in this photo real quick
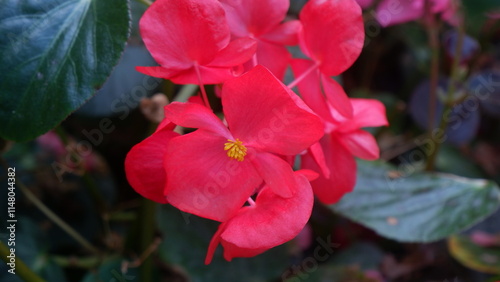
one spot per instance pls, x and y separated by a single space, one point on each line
302 76
433 35
56 219
51 215
85 262
22 270
448 105
147 214
202 87
186 91
145 2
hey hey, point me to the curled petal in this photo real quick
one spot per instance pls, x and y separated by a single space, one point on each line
316 152
361 144
276 172
144 165
342 171
271 222
336 96
367 113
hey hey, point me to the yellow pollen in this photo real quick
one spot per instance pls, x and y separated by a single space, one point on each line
235 149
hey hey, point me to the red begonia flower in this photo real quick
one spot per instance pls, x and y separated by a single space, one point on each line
143 166
344 140
186 35
272 221
213 171
332 34
263 20
392 12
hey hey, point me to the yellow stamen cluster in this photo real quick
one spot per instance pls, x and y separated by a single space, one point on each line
235 149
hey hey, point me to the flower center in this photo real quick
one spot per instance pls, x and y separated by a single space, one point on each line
235 149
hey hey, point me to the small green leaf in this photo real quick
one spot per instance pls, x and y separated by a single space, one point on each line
473 256
413 206
185 244
55 54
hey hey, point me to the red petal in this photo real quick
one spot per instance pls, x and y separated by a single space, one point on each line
260 112
165 124
342 167
159 71
361 144
309 174
238 52
274 57
391 12
179 32
271 222
276 172
144 165
369 113
194 115
209 75
214 243
333 33
285 33
316 152
255 17
310 88
336 96
203 180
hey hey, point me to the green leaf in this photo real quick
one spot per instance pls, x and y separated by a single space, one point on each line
451 160
416 206
185 244
55 54
473 256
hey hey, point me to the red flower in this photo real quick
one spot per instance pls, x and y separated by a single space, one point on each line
332 34
191 39
392 12
212 171
271 221
344 140
263 20
144 169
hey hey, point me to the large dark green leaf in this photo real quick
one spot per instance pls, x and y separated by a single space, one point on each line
417 207
55 54
185 243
